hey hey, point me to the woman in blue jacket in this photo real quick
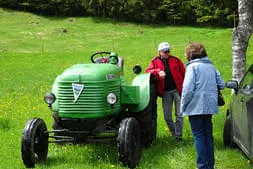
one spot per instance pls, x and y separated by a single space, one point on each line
199 101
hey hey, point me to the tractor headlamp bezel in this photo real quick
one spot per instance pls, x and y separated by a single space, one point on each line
49 98
111 98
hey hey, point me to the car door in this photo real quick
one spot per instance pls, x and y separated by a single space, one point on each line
244 116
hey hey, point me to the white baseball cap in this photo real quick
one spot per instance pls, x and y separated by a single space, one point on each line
164 46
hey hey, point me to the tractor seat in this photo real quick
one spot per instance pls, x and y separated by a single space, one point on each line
102 60
107 60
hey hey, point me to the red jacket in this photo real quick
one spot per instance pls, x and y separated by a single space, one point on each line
177 70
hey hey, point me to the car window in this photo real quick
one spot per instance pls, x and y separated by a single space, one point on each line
247 81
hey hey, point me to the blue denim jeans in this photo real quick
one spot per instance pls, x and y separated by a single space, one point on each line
202 130
168 98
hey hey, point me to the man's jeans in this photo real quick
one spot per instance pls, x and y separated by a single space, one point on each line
168 98
202 130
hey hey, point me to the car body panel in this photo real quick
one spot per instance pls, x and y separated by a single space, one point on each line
241 113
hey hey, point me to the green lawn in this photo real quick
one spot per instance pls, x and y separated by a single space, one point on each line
35 49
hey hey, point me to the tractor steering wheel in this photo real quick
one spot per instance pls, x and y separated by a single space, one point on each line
108 55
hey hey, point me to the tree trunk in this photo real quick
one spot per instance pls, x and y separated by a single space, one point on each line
240 38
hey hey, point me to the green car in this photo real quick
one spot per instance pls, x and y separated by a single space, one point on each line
238 127
93 103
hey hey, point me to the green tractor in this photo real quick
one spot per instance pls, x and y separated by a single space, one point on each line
93 103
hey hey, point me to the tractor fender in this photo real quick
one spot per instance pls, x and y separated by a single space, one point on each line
143 81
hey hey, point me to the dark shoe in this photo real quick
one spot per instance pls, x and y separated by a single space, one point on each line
172 134
179 138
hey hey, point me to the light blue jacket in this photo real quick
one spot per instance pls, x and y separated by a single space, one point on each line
199 95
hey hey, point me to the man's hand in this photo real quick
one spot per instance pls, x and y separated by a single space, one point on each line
162 74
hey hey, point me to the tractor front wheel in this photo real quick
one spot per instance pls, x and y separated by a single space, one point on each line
129 144
34 145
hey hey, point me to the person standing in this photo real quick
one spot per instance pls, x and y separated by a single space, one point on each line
169 71
199 101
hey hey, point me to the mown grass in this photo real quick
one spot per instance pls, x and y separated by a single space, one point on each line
35 49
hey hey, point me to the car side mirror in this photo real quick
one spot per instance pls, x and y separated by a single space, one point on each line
232 84
137 69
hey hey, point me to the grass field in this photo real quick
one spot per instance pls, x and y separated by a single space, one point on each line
35 49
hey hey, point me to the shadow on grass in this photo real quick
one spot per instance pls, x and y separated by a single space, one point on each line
104 20
107 154
163 149
83 154
4 124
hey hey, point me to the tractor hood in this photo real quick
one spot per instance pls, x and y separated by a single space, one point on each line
81 91
90 72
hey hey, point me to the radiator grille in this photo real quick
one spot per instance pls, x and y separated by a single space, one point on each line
92 100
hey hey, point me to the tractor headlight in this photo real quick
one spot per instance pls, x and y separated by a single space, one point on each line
49 98
111 98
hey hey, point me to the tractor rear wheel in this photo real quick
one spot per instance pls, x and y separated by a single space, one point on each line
34 145
129 145
153 111
148 118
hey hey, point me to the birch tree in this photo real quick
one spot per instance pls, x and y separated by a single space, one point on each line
240 38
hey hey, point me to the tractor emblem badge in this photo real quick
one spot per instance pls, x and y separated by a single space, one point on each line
77 90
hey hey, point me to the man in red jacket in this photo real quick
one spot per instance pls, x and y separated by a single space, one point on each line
169 71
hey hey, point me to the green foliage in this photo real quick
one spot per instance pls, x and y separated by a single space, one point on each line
35 49
48 7
214 12
176 12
